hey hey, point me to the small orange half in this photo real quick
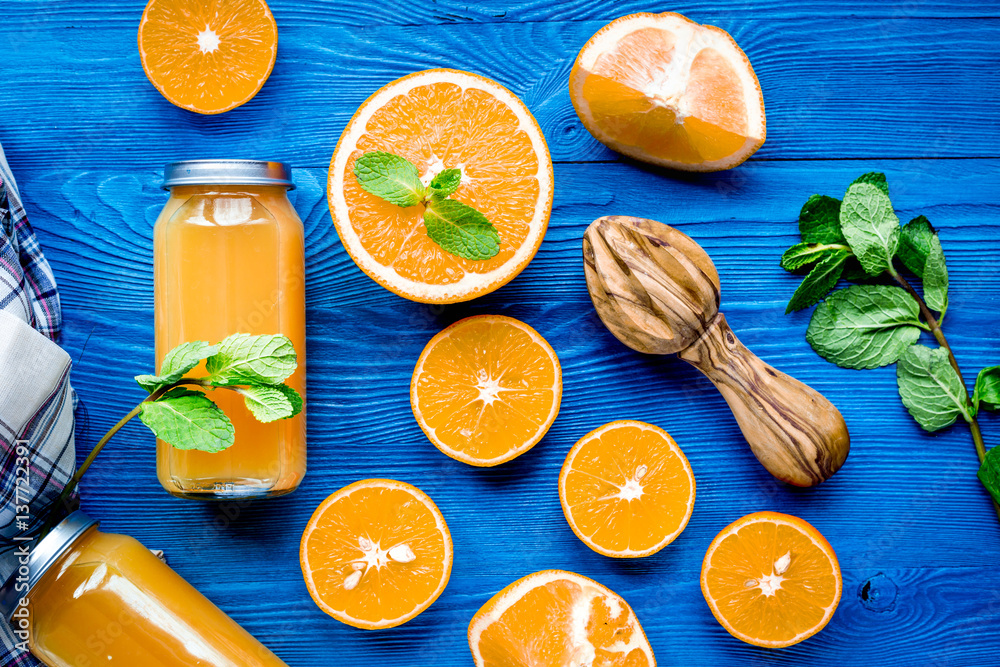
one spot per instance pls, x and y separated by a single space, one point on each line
486 389
663 89
376 553
627 489
555 618
771 579
208 56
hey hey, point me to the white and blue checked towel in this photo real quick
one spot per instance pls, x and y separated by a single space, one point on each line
36 401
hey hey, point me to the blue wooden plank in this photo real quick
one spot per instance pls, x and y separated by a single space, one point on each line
833 88
906 503
125 13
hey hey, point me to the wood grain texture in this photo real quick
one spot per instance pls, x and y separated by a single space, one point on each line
88 134
657 291
362 13
653 286
793 430
865 87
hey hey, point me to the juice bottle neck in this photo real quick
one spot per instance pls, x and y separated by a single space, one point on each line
185 191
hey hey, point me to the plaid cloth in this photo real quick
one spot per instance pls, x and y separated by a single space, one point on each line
37 454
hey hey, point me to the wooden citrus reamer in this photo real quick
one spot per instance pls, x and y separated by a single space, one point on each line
658 292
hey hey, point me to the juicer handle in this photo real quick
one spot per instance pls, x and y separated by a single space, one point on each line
796 433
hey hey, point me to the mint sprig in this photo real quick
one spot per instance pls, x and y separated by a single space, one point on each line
871 325
455 226
255 367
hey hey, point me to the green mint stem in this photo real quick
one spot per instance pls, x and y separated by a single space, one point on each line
97 450
78 475
935 328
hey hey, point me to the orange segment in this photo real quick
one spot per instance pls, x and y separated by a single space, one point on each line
771 579
208 56
486 389
661 88
444 119
554 618
627 489
376 553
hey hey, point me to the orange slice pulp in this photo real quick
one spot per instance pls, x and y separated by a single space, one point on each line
771 579
376 553
627 489
554 618
486 389
208 56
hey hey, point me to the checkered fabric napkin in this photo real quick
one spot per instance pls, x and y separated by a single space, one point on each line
37 455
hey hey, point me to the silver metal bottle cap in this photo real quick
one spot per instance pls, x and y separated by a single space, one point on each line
43 555
227 172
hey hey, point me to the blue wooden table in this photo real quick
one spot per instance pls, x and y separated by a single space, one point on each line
911 88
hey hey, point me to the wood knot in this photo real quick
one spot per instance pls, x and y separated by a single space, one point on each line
878 594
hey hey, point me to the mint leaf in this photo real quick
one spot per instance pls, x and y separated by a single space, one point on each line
864 326
870 226
293 397
445 183
987 391
819 220
936 278
989 473
391 177
915 244
461 229
930 388
819 282
267 403
802 254
246 359
874 178
188 420
176 363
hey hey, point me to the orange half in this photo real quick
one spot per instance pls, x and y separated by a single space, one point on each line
627 489
208 56
486 389
663 89
444 119
554 618
376 553
771 579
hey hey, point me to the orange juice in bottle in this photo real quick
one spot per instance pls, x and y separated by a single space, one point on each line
85 598
229 258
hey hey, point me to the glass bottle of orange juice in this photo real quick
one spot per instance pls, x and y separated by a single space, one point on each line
229 258
83 598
